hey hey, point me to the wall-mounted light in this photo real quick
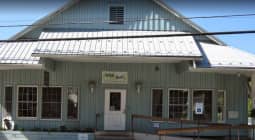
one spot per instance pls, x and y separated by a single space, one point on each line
138 86
92 86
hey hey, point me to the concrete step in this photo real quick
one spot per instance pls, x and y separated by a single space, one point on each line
114 135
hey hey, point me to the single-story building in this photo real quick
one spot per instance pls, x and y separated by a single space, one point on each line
92 64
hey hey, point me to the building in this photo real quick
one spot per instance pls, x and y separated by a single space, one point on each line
100 69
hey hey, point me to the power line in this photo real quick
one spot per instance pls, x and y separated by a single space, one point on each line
136 36
130 20
221 16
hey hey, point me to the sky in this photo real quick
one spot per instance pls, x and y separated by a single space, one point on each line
13 12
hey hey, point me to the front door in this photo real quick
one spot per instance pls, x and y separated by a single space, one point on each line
115 106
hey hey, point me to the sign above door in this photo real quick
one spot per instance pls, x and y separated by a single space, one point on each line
110 77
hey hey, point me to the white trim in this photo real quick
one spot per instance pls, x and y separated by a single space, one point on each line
212 91
4 113
224 70
118 59
225 106
44 20
187 21
62 101
188 105
122 112
78 99
152 101
20 66
37 102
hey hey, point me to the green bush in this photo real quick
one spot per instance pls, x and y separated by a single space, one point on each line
249 107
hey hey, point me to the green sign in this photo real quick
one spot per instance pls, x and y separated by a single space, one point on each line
109 77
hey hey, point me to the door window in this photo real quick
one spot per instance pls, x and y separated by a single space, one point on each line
115 101
204 97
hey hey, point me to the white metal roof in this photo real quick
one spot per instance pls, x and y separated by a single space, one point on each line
216 56
18 53
157 47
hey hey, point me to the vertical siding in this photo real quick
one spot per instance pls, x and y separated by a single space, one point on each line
79 74
97 11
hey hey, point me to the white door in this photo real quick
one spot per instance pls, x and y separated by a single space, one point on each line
115 106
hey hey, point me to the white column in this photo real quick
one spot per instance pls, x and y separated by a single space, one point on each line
253 90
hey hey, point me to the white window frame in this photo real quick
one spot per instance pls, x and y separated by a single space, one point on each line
4 95
184 89
152 101
78 98
212 114
225 106
17 102
61 108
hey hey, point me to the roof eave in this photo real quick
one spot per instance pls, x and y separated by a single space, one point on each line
222 69
43 20
189 22
120 57
20 66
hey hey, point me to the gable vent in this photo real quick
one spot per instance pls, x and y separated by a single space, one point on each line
117 15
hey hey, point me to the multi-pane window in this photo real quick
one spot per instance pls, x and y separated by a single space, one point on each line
178 104
221 105
8 100
72 103
117 15
51 102
157 101
27 102
203 97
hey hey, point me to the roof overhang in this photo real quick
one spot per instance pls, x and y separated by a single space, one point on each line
44 20
164 48
117 59
233 71
20 66
225 57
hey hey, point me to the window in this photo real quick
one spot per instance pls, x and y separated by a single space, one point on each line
115 101
204 97
8 101
157 101
72 103
221 106
116 15
178 104
27 102
51 102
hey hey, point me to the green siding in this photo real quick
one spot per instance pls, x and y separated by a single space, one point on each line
79 74
97 11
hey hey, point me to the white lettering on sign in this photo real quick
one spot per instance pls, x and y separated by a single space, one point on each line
83 137
199 108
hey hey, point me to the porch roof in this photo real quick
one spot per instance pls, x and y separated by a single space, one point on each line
216 56
148 47
18 53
